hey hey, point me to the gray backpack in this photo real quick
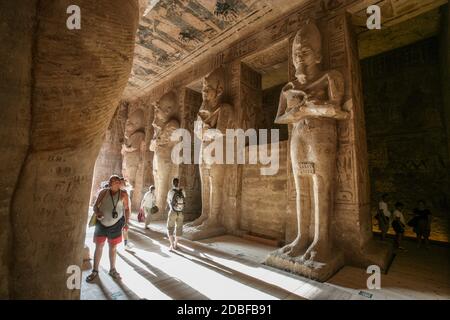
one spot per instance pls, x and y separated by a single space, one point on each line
178 200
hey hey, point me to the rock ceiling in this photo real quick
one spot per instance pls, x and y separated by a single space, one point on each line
175 34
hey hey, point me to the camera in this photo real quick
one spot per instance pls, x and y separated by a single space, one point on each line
115 214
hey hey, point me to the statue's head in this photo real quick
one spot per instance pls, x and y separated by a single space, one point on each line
213 86
307 48
165 108
134 122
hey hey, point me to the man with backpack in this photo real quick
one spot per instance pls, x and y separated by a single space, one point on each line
176 201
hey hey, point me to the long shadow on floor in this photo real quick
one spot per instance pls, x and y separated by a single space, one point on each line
255 283
204 261
153 247
164 282
103 286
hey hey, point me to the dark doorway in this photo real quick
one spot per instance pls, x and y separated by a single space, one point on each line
407 140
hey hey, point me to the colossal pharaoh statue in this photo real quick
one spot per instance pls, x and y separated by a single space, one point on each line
214 117
132 148
164 124
312 104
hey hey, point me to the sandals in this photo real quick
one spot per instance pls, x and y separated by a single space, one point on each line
92 276
114 274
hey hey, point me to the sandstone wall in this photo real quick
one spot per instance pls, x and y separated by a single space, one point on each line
264 198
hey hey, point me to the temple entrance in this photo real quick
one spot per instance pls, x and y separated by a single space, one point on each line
405 122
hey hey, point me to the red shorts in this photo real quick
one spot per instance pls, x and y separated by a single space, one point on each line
112 233
102 239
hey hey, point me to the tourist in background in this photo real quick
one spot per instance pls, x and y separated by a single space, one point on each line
398 223
126 188
383 215
148 205
421 223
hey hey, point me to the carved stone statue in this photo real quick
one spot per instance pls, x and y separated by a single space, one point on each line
312 104
164 124
132 148
213 114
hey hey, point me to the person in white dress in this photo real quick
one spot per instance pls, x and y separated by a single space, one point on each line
147 203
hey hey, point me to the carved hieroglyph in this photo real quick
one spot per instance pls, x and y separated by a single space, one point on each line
164 124
213 114
312 104
132 149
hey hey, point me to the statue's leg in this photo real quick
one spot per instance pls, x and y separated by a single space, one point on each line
132 172
299 245
320 248
166 181
323 149
205 188
215 196
161 177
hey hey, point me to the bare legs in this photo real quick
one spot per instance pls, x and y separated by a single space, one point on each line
112 256
171 240
98 256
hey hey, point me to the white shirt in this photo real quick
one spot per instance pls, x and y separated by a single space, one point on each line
384 207
149 200
398 214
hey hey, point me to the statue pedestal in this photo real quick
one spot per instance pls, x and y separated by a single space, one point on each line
309 269
196 233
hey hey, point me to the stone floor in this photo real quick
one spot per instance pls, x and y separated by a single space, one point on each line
228 267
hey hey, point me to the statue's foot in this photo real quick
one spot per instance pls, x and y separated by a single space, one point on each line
294 249
195 223
209 224
317 252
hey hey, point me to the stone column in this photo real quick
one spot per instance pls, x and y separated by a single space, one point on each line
190 102
352 221
77 79
16 57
